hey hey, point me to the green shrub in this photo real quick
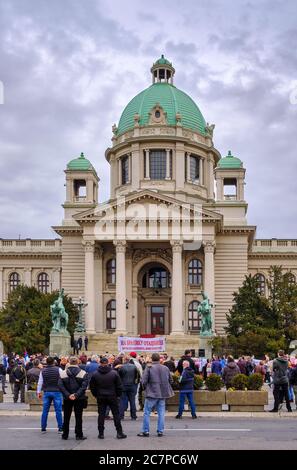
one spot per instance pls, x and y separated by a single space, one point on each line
198 382
175 377
214 382
255 382
239 382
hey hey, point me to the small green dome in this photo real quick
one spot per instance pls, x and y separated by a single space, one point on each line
80 164
230 162
162 61
171 99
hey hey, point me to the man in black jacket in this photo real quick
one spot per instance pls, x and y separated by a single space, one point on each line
106 386
280 382
129 376
73 383
186 357
19 378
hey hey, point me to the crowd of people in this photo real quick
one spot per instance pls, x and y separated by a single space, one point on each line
117 381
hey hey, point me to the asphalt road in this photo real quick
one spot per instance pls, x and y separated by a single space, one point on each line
23 432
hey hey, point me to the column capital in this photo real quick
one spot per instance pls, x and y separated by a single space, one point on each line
177 246
209 246
120 246
89 245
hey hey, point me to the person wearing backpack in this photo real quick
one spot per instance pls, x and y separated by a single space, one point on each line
280 382
73 383
33 375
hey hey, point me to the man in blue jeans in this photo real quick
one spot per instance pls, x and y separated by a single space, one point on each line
156 381
48 383
186 385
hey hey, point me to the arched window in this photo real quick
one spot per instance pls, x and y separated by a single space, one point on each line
290 278
156 278
193 317
111 315
14 281
43 282
260 278
111 271
195 272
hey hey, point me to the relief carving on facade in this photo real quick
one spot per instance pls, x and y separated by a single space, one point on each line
139 255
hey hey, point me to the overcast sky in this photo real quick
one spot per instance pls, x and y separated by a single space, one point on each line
69 68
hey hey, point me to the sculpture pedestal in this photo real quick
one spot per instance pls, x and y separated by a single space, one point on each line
60 344
204 344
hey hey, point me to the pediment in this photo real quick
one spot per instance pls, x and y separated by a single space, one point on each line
150 205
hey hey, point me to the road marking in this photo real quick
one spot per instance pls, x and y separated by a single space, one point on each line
209 429
32 429
175 429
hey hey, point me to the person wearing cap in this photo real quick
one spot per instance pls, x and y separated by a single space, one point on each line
106 387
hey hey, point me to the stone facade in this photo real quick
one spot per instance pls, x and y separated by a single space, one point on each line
170 230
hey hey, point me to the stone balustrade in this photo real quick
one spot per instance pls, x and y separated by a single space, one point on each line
274 245
10 245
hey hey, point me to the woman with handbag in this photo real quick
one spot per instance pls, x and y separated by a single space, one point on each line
73 383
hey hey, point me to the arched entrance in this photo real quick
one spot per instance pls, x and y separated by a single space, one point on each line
154 299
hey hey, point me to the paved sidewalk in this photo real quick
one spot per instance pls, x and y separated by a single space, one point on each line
9 408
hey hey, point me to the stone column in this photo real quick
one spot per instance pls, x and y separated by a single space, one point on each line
168 164
179 158
28 277
89 286
177 289
98 267
135 171
121 321
135 309
112 176
209 275
1 287
90 190
211 177
147 164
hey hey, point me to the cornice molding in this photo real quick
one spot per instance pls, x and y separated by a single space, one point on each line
271 255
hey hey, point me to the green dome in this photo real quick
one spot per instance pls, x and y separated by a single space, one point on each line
230 162
162 61
80 164
171 99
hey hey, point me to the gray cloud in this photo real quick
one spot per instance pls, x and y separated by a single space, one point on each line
70 68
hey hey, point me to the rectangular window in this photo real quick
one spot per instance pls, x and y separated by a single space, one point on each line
157 164
194 168
125 169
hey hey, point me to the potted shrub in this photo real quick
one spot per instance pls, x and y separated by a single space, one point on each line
172 403
213 397
246 393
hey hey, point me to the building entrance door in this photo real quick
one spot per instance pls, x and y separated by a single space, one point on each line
157 319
